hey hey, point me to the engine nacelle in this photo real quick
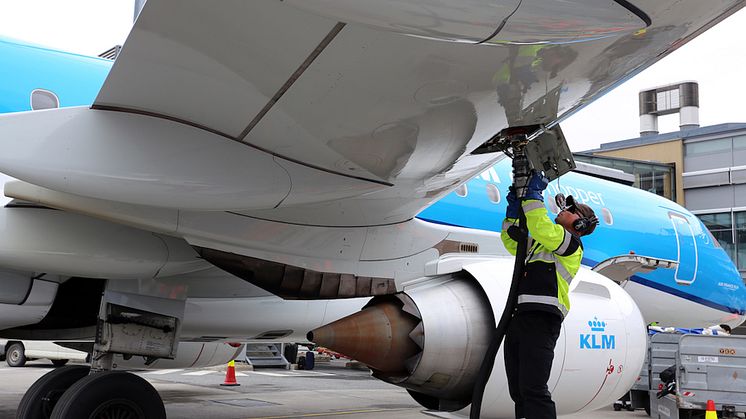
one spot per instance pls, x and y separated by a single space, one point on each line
189 355
432 338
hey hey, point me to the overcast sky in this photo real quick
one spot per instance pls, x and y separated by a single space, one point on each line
716 60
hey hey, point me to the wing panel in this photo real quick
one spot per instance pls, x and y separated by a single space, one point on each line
215 64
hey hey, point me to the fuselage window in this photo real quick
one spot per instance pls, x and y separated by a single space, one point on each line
44 99
493 194
462 190
553 208
608 218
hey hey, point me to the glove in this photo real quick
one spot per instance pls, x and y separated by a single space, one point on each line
536 186
513 209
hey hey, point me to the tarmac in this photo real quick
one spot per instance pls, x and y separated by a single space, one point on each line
328 391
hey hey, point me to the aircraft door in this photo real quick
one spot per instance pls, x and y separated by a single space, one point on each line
686 244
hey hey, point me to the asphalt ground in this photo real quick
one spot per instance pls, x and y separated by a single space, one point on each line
329 391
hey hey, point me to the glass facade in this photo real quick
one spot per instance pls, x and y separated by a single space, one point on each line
707 147
741 240
729 228
658 178
721 227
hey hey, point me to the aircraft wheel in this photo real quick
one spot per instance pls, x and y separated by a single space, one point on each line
39 400
15 356
110 394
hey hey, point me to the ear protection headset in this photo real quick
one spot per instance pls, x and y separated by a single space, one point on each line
583 224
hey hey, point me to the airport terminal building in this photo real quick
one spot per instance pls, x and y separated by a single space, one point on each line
701 168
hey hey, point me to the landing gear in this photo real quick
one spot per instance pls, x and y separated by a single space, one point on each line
40 399
71 392
131 324
110 394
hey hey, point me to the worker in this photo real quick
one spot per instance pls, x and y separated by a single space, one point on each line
553 259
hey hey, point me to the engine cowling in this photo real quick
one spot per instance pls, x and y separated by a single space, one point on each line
431 340
189 355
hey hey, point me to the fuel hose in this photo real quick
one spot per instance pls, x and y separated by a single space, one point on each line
519 268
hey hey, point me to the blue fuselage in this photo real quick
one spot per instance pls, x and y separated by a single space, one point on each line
631 221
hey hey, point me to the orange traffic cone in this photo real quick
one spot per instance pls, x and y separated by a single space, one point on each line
230 376
711 413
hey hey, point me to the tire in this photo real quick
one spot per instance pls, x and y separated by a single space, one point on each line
15 356
59 362
41 397
110 394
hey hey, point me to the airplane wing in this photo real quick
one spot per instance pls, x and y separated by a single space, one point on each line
330 112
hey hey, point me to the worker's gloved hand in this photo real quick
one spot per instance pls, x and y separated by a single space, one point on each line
513 206
536 186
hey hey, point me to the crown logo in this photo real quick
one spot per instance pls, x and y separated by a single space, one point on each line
597 326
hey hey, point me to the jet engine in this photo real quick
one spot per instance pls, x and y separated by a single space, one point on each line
431 340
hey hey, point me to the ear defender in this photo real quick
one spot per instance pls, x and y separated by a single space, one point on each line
583 224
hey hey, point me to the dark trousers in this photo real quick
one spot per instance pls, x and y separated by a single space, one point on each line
529 351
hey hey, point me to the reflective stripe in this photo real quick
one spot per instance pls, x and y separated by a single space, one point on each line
551 258
563 272
543 256
565 244
543 299
532 205
507 224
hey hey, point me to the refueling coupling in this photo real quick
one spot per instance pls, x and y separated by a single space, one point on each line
521 172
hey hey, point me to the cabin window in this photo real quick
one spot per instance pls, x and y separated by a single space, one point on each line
44 99
553 208
462 190
608 218
493 194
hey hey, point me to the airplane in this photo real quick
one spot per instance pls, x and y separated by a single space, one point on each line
249 171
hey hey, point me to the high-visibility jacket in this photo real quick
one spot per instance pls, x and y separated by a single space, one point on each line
553 259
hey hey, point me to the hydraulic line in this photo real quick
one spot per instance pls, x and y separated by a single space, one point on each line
521 174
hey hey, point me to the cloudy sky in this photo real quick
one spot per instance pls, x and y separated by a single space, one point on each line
716 60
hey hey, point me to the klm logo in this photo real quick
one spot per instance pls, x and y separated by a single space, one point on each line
597 339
